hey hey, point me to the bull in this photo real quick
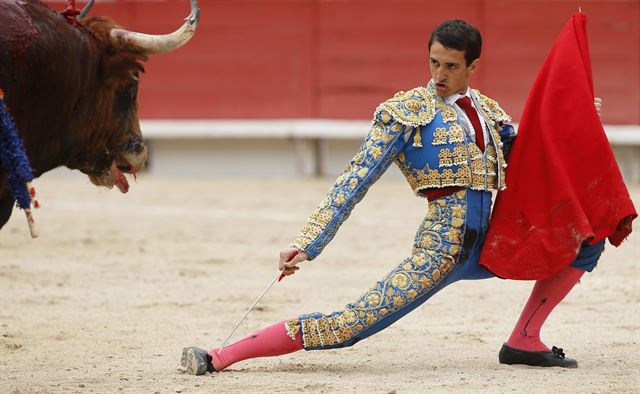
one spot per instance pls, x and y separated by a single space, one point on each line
72 90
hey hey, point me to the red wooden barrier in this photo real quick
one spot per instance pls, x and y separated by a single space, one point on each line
339 59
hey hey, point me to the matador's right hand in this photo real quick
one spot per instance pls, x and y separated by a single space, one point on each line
289 259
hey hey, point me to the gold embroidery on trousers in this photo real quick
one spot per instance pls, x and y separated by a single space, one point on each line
436 246
293 328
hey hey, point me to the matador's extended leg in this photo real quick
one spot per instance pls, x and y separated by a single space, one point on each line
436 261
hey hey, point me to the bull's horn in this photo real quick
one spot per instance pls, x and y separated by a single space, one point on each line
152 44
85 10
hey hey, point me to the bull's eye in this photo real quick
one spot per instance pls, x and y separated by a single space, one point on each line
125 98
132 89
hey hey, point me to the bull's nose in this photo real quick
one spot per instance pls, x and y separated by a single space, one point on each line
135 146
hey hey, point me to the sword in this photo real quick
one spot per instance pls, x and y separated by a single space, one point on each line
276 279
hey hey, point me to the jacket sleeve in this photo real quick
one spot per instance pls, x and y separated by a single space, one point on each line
380 148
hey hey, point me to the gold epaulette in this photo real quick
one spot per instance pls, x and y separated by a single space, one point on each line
413 108
492 109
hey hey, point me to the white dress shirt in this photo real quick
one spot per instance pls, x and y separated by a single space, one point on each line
452 101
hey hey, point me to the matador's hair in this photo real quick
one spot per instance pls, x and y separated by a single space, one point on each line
458 34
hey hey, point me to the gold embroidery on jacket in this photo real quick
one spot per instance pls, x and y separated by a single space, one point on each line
417 137
464 176
412 108
448 114
439 136
492 109
367 165
445 157
459 154
456 133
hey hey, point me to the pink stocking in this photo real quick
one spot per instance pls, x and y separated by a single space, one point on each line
545 296
271 341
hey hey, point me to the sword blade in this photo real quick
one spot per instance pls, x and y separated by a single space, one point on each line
277 278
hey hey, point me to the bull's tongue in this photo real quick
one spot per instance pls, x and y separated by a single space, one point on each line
121 181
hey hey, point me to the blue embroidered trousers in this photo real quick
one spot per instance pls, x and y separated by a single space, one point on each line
446 249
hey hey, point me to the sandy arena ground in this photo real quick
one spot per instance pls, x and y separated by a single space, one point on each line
116 285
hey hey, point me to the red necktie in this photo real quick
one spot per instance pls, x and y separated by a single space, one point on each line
472 114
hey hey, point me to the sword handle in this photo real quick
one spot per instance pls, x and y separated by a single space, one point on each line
282 275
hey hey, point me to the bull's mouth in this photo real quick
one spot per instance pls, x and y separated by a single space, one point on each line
120 180
115 174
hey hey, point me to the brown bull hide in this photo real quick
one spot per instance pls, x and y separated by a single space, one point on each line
72 91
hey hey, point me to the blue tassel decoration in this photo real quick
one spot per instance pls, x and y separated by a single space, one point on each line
13 158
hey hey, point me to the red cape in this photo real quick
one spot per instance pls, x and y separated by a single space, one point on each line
564 185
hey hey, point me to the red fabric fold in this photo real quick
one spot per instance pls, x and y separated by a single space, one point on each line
564 185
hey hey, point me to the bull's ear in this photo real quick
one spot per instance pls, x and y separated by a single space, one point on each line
154 44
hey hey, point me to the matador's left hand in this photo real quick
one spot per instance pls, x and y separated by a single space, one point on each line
598 103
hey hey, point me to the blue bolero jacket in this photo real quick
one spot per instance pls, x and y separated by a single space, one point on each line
422 134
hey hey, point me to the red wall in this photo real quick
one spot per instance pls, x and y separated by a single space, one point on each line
340 58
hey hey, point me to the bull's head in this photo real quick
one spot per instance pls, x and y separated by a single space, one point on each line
120 146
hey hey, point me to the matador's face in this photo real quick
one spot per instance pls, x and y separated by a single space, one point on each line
449 70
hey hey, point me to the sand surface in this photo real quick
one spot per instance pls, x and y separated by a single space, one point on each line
116 285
